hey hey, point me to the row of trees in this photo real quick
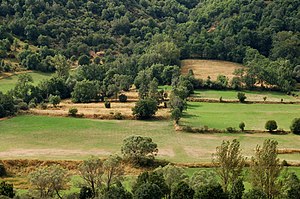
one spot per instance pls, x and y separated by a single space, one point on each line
104 178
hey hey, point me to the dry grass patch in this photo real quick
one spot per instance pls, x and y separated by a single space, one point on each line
204 68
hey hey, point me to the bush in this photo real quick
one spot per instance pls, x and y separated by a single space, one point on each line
23 106
242 126
118 116
107 104
241 96
271 125
6 189
122 98
145 108
54 100
231 130
73 111
43 106
295 126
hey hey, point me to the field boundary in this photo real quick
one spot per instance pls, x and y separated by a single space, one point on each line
193 99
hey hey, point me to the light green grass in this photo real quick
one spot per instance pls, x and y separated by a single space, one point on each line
9 83
223 115
251 95
37 133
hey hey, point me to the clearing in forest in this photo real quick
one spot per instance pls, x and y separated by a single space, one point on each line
204 68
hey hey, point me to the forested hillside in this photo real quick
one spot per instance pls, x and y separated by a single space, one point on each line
115 42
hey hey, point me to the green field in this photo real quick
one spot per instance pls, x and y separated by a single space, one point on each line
9 83
72 138
251 95
223 115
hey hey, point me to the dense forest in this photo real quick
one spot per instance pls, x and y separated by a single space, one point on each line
118 43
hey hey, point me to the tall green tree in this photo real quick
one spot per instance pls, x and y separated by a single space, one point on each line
265 169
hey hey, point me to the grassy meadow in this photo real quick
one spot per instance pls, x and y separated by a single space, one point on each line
223 115
251 95
45 137
8 83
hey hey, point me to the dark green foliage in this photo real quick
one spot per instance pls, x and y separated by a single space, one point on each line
145 108
255 194
242 126
85 91
122 98
148 191
7 105
85 193
295 126
6 189
182 191
241 96
271 125
54 100
2 170
237 190
211 191
84 60
117 192
176 114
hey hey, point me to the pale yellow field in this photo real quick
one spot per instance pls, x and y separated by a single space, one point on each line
204 68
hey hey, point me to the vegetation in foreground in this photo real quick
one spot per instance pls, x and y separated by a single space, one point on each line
105 178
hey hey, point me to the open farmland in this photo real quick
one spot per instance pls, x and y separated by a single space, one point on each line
72 138
9 82
256 96
204 68
223 115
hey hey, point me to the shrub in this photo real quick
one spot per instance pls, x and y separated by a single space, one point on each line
107 104
241 96
43 106
231 129
32 105
271 125
122 98
7 189
2 170
23 106
73 111
54 100
295 126
118 116
242 126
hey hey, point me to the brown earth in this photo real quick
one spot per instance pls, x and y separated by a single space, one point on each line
204 68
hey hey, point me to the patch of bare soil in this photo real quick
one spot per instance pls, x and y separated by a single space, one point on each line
168 152
204 68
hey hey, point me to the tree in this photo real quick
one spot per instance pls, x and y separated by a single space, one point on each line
85 91
112 170
255 194
265 168
241 96
182 191
237 189
271 125
117 192
91 172
145 108
54 99
23 87
210 191
137 149
176 114
203 178
230 162
61 65
49 180
295 126
172 175
84 60
148 191
242 126
290 185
